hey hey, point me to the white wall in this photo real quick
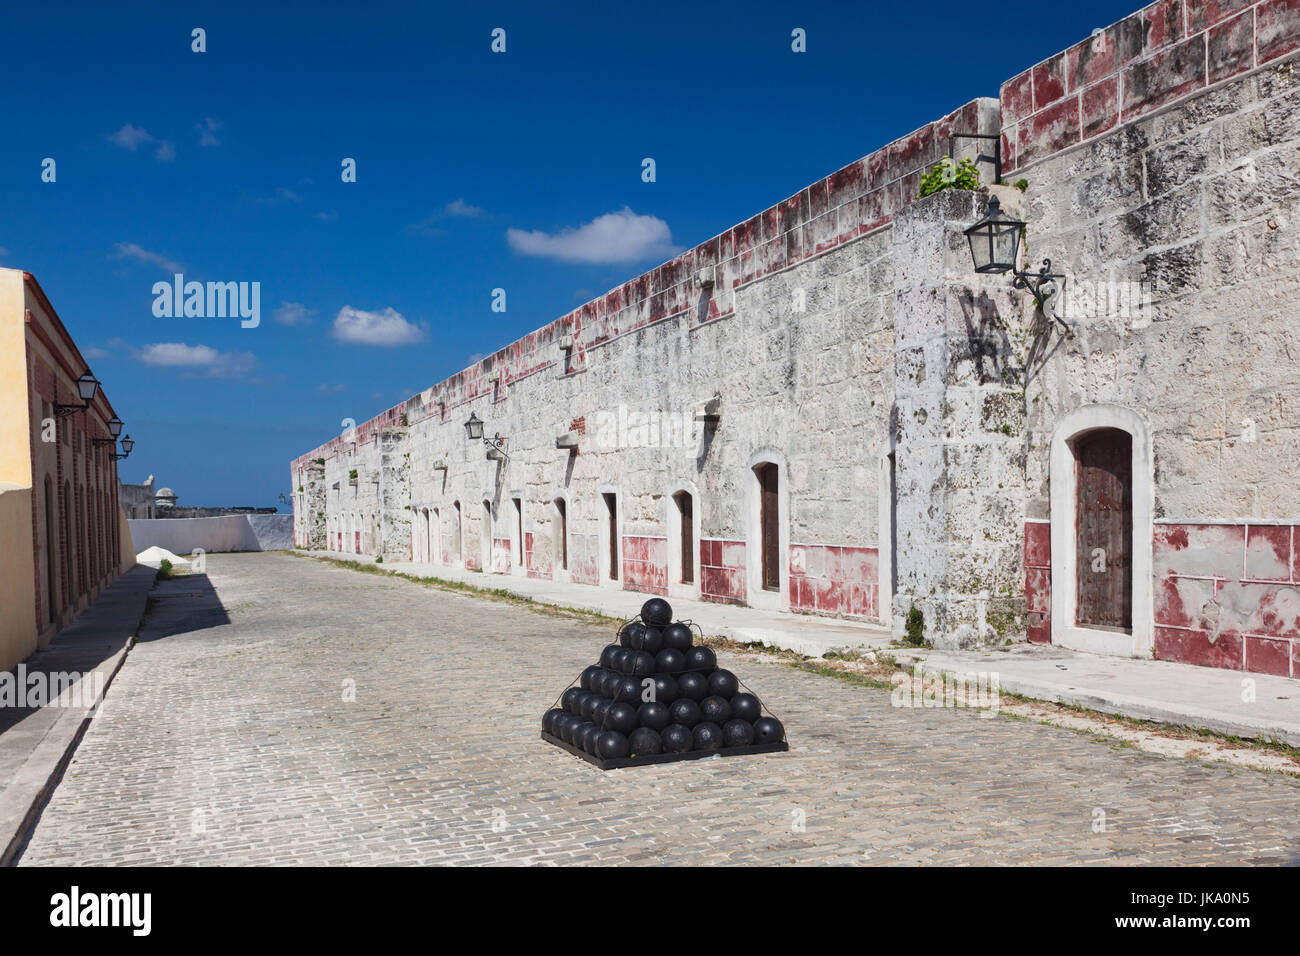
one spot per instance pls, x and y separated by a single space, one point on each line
226 533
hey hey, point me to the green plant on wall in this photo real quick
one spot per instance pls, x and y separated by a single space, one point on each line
352 475
946 174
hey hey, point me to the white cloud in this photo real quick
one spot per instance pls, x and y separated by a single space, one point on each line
177 353
132 137
459 207
327 216
134 252
197 358
208 132
385 328
330 389
620 236
292 313
456 209
94 352
282 195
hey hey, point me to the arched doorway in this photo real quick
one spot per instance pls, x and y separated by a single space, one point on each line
1101 509
767 541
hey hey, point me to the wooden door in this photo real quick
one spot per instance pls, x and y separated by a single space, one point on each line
1104 472
611 520
686 510
768 524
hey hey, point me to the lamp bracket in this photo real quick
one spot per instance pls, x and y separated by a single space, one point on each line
497 443
1035 282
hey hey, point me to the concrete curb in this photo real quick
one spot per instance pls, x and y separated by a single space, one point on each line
24 797
1136 707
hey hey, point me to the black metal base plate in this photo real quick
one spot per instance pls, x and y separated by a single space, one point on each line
619 762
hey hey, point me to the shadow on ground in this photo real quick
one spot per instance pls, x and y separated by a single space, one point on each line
181 605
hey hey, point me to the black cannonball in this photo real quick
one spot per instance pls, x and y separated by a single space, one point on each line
588 734
644 742
676 739
630 636
737 733
582 732
678 636
641 663
601 709
746 707
628 691
706 736
621 717
653 714
607 658
723 684
549 718
588 706
715 710
611 745
684 711
570 699
701 658
669 661
620 659
652 641
665 688
565 726
657 612
692 685
768 730
588 677
610 683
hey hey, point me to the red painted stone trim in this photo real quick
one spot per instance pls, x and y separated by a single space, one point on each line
835 581
722 571
1038 581
1166 51
645 564
1228 595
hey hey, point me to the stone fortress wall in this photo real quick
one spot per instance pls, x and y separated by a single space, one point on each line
919 419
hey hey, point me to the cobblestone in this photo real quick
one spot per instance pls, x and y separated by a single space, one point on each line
226 739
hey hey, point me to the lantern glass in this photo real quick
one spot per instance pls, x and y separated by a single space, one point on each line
115 427
87 386
127 445
474 428
994 240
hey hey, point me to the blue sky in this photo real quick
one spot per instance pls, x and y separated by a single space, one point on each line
473 171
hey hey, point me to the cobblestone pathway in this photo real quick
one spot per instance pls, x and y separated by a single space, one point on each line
227 739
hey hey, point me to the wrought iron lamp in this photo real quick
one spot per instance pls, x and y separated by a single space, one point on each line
127 445
87 386
995 248
114 429
496 444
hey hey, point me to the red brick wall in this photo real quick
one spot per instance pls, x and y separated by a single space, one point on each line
1165 51
1038 581
722 571
839 581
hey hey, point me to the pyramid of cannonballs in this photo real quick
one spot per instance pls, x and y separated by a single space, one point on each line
657 696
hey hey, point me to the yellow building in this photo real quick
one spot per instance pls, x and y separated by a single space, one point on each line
63 538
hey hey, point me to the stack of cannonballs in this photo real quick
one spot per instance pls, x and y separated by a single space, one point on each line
658 696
